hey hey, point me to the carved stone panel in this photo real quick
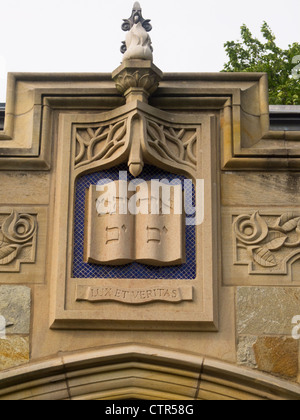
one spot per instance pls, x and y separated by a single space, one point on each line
135 136
99 143
135 296
265 247
22 244
123 227
18 236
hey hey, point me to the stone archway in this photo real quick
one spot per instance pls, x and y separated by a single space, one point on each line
139 372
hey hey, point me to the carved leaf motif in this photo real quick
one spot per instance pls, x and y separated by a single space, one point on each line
276 243
99 144
147 80
172 144
288 221
8 254
3 240
264 257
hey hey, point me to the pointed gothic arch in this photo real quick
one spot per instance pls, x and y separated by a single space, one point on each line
139 372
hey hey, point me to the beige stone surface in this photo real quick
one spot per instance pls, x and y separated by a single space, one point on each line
137 79
195 160
28 264
266 310
52 125
24 188
15 307
46 342
260 189
140 372
260 246
264 202
263 149
25 138
14 351
245 351
118 236
277 355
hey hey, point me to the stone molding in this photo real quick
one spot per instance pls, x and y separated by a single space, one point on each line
135 371
241 99
144 134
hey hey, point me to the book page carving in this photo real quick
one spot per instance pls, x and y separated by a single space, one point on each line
147 231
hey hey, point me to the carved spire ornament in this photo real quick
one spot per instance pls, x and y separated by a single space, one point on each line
137 78
138 44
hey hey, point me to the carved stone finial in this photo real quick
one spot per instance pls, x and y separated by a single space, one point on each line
138 45
137 78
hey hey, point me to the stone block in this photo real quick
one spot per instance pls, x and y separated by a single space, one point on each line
266 310
245 351
14 351
277 355
15 303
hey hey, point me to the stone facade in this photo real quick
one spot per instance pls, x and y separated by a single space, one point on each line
15 310
218 317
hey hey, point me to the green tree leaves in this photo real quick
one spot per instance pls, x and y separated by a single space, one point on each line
252 55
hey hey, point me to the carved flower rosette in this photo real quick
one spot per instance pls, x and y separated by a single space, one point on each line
269 242
144 78
17 232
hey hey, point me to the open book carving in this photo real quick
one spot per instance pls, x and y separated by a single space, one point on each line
122 226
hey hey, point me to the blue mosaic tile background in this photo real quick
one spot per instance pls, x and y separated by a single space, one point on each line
134 270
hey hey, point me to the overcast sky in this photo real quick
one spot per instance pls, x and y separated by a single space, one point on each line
86 35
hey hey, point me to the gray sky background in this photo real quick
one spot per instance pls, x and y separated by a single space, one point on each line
86 35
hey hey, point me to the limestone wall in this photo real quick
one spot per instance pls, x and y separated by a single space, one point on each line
247 286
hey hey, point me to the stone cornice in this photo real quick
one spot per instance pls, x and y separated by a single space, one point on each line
246 139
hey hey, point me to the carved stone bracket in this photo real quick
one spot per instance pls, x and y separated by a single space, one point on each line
100 143
18 234
267 244
138 137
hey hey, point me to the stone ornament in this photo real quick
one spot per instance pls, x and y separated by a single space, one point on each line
118 237
138 136
135 296
267 244
138 44
136 133
17 240
99 143
137 79
141 78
